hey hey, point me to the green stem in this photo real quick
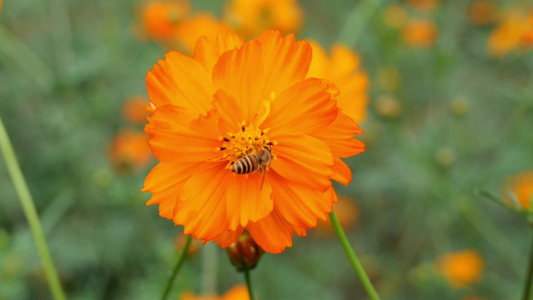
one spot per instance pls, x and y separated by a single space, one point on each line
31 213
11 47
527 287
177 267
355 24
353 259
249 283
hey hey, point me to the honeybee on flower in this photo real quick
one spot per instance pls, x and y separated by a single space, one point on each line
228 100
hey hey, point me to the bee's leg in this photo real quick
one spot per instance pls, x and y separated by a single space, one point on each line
262 180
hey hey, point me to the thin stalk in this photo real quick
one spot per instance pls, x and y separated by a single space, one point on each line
13 48
177 267
527 287
353 258
249 283
355 24
30 212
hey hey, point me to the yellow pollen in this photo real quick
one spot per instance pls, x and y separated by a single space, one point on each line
248 140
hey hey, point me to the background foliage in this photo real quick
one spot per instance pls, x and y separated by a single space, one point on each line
66 68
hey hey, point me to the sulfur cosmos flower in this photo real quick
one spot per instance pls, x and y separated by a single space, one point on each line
520 186
514 32
420 33
233 103
238 292
461 268
129 152
343 68
134 109
347 213
161 19
251 17
482 12
201 24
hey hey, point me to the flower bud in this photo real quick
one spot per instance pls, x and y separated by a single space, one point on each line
244 253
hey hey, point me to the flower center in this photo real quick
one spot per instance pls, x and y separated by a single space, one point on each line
250 140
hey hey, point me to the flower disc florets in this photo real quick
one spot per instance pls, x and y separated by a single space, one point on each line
244 142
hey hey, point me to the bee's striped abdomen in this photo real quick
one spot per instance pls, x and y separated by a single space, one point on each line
245 165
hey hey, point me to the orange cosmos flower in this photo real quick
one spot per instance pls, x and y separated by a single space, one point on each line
179 243
239 292
129 151
461 268
161 19
521 187
510 34
482 12
424 6
236 108
202 24
347 213
343 69
134 109
419 32
250 17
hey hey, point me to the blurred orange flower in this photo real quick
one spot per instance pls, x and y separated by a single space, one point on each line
134 109
347 213
201 24
424 6
129 151
419 32
515 31
388 106
521 186
461 268
250 17
482 12
239 292
236 111
180 240
162 18
343 69
395 16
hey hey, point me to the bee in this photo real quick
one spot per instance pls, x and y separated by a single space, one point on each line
257 161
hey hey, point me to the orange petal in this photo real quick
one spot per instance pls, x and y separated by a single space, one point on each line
207 51
239 72
227 107
302 109
354 97
180 81
165 182
272 233
194 27
342 128
339 136
343 174
166 175
286 61
304 160
246 200
228 237
319 65
201 207
174 140
343 61
298 204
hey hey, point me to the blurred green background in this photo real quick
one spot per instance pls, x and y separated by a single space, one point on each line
66 68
